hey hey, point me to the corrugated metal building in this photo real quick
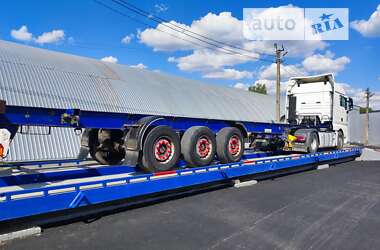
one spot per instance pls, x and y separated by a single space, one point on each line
41 78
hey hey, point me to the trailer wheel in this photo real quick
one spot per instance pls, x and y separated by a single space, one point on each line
106 146
340 142
312 143
229 145
198 146
161 150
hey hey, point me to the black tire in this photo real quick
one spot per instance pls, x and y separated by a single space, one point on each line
105 146
224 151
159 140
198 146
312 143
340 142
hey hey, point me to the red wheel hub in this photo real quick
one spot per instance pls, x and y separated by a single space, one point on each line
234 145
204 147
163 150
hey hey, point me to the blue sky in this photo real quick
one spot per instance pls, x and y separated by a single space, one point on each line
88 29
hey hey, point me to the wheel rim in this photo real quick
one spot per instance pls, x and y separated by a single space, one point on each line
234 145
313 145
163 150
204 147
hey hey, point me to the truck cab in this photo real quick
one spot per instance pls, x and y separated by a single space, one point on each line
318 103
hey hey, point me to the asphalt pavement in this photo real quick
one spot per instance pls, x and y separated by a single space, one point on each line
335 208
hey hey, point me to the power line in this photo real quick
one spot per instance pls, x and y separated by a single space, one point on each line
225 50
167 23
289 71
143 23
294 70
181 31
170 34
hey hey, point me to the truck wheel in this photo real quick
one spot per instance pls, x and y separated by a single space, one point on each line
312 143
229 145
340 142
161 150
106 146
198 146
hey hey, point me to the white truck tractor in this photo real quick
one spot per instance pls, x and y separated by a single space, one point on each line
320 108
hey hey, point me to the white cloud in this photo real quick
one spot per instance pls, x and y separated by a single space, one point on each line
127 39
287 71
160 7
375 101
53 36
207 60
370 27
313 64
240 85
139 66
109 59
231 74
221 27
22 34
164 39
348 89
295 14
325 63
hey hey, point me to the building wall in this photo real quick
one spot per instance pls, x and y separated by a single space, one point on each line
62 143
374 128
357 125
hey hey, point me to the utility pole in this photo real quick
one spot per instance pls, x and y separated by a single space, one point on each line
279 54
368 95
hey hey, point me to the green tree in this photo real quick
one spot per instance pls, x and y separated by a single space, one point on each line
363 110
258 88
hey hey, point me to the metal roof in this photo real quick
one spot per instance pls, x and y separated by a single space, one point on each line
41 78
